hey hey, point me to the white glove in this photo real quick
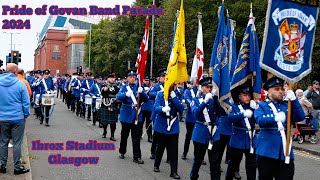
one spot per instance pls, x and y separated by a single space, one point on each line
94 97
128 93
253 104
146 88
140 89
280 117
77 87
84 89
291 95
166 109
173 94
247 113
208 97
198 92
38 83
214 92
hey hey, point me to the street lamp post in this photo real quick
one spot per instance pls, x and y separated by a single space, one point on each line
90 45
152 35
11 43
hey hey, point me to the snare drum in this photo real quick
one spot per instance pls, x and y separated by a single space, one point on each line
98 103
81 99
47 99
88 99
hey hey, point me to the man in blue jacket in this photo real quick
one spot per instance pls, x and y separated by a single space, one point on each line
95 92
86 85
271 116
15 109
241 140
168 134
128 96
147 109
204 109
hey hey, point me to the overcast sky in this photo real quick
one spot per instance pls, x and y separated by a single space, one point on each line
26 41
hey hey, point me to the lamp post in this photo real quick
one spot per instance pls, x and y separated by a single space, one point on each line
90 45
11 43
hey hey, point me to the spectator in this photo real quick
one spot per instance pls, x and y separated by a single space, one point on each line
14 109
21 78
305 93
306 105
314 98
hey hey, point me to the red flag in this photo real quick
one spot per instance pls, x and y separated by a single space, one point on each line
142 55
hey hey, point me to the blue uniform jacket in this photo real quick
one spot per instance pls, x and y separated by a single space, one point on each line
201 132
153 94
147 106
269 142
94 91
66 85
240 136
36 86
76 86
50 87
128 111
85 88
188 98
160 122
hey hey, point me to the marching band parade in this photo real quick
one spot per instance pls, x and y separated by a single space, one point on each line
224 117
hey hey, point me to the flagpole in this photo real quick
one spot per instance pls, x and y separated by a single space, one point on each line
152 35
287 158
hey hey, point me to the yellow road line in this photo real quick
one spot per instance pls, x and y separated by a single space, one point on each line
307 155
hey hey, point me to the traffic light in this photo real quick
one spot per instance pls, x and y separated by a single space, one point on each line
15 56
1 63
19 57
80 69
9 59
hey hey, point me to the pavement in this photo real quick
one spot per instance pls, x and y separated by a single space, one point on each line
64 126
307 146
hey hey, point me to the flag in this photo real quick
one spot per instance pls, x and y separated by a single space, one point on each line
177 66
142 54
232 49
219 63
247 66
288 41
198 60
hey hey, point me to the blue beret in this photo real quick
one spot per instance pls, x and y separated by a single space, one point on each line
274 81
131 72
206 81
162 72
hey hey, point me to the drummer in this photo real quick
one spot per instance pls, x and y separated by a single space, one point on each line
46 87
86 85
95 92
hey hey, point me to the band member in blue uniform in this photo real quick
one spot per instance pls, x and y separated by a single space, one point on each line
241 140
36 92
271 116
86 85
46 87
67 92
189 94
167 138
73 92
205 108
76 91
147 109
128 96
95 92
152 96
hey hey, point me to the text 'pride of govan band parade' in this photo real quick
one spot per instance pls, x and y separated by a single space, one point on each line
229 111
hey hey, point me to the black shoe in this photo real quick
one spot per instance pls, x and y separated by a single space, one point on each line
21 170
237 176
138 161
104 136
47 124
41 122
204 163
152 156
93 124
122 156
3 170
184 156
113 139
156 169
175 176
89 119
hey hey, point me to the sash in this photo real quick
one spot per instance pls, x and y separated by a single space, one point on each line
251 134
161 87
98 89
45 85
133 98
207 119
283 135
79 84
87 84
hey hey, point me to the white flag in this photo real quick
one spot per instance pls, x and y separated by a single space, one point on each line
198 60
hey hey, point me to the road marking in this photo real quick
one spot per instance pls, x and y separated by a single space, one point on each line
307 155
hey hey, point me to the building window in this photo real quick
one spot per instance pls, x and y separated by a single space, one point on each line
53 57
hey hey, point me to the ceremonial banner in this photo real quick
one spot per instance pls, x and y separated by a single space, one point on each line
177 66
288 39
232 49
248 61
198 60
142 55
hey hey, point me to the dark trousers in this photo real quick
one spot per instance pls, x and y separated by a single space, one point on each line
78 105
61 92
94 118
68 99
213 156
89 109
72 102
63 96
45 110
236 157
146 117
155 139
38 112
58 91
135 136
189 128
224 142
112 128
169 141
274 168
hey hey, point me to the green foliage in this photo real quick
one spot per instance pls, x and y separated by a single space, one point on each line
116 41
